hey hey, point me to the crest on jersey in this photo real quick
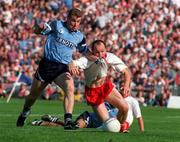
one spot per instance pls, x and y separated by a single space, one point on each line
61 30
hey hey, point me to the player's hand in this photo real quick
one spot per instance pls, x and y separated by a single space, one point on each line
37 28
73 69
125 91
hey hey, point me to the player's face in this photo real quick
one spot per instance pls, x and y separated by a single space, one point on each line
81 122
99 51
73 23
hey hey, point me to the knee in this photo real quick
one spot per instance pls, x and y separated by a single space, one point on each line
70 88
32 96
125 108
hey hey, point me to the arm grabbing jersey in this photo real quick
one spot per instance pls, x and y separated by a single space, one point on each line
99 69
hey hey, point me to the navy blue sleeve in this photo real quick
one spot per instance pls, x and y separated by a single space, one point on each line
82 47
48 27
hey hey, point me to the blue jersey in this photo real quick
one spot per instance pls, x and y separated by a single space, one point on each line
94 122
61 43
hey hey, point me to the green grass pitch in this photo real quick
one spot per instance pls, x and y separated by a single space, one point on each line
161 125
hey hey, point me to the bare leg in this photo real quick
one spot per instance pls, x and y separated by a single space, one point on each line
101 112
116 99
36 89
49 124
65 81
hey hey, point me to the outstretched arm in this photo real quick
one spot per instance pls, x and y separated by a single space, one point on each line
73 68
84 49
37 28
141 124
117 64
75 65
125 89
43 28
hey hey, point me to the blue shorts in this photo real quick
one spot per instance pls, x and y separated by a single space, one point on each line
49 70
94 122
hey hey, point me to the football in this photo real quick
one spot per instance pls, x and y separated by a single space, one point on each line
112 125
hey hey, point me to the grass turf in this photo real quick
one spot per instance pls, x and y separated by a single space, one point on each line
161 125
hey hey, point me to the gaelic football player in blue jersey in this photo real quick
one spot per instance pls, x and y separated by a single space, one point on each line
63 38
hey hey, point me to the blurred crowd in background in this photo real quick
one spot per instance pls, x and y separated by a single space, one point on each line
145 34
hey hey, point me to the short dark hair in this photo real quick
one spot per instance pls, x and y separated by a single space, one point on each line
76 12
97 42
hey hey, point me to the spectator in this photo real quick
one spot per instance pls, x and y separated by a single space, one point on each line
23 91
3 93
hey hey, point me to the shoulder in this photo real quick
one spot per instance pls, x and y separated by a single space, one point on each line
112 57
132 101
56 24
59 23
80 34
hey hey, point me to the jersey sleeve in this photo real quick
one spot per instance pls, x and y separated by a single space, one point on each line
48 27
136 109
82 47
81 62
116 63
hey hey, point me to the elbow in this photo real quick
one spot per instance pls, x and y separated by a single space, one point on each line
129 73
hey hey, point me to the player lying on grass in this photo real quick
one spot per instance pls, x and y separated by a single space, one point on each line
90 120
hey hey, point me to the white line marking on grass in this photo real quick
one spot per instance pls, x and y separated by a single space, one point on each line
177 116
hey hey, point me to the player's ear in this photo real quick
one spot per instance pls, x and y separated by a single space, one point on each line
92 46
